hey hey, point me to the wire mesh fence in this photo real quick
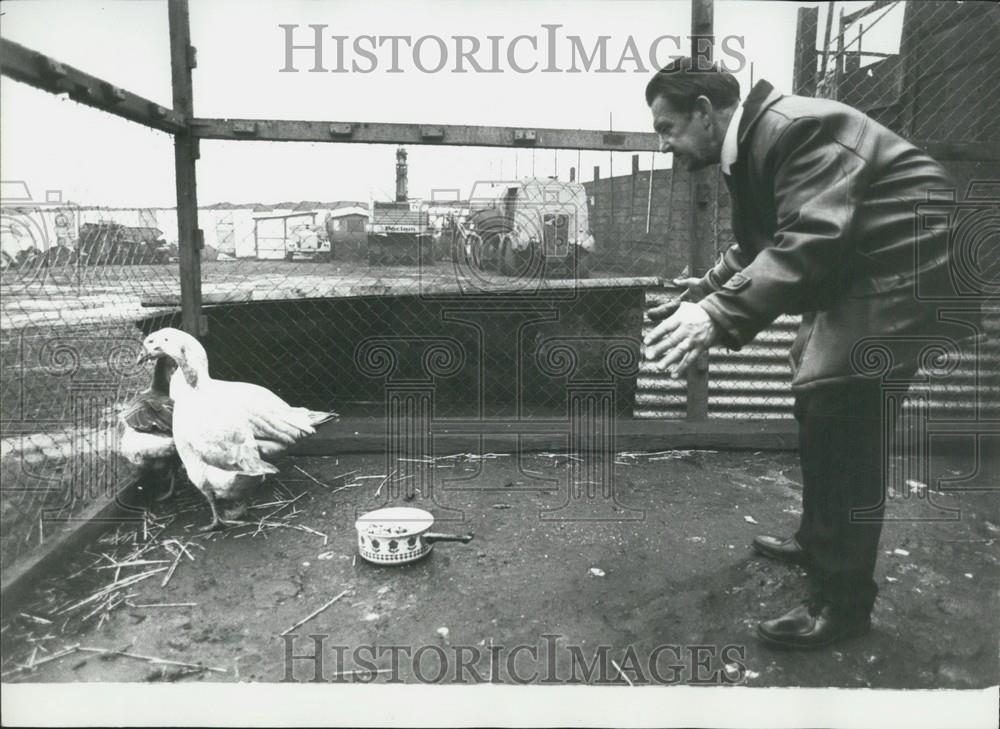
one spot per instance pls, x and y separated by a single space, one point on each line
300 294
295 295
72 283
926 70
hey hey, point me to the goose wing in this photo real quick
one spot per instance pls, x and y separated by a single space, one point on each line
229 444
269 415
149 413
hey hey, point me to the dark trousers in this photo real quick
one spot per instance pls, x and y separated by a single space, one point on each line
841 445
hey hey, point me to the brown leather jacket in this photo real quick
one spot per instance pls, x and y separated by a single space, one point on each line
824 208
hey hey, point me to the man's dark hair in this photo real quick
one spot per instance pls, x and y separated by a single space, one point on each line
681 83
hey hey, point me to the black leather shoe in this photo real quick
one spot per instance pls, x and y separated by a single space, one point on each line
786 550
812 625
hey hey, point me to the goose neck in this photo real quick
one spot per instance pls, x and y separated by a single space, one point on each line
195 372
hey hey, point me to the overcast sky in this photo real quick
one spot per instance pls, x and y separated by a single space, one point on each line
54 143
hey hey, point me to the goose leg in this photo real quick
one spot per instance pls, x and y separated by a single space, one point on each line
170 488
217 521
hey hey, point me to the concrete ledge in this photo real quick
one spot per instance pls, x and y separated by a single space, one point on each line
434 283
370 435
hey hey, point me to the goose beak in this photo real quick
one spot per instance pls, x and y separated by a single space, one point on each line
144 356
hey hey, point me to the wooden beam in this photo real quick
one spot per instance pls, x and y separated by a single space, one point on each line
631 199
189 238
702 32
826 40
702 211
874 7
45 73
804 69
838 60
445 135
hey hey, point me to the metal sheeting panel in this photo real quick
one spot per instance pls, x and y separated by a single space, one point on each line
754 383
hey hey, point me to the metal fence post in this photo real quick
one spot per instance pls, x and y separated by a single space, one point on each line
702 225
189 237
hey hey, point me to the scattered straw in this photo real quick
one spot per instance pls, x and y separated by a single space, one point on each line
54 657
36 619
346 486
384 480
170 572
151 659
311 477
132 563
105 591
623 675
316 612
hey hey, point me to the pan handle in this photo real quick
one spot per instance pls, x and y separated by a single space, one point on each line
671 307
431 537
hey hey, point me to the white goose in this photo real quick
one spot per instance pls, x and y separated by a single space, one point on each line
221 428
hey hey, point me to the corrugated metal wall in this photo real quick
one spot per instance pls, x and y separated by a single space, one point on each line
754 383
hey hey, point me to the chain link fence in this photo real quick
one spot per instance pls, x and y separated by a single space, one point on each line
71 286
926 70
338 304
929 72
297 296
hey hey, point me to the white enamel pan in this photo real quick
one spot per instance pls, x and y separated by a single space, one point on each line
399 534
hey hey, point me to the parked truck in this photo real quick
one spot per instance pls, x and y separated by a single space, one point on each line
307 242
398 232
537 226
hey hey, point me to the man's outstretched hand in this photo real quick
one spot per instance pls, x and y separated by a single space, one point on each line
678 341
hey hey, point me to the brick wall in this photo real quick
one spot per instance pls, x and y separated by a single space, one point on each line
618 219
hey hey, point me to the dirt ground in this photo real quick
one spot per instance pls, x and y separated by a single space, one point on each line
680 575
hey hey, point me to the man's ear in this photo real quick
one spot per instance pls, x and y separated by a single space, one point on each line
704 109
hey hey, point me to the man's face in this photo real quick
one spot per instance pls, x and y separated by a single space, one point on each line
688 135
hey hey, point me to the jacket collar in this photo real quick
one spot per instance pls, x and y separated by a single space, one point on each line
730 146
761 96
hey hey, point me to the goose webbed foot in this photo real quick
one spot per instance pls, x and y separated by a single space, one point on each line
237 511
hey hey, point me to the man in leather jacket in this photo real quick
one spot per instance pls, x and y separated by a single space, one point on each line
823 211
